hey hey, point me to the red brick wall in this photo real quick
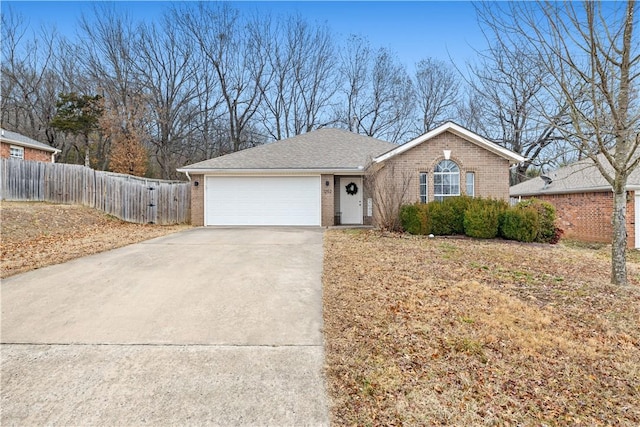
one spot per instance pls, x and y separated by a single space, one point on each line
29 153
587 216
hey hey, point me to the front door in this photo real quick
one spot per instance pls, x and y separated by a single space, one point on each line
351 200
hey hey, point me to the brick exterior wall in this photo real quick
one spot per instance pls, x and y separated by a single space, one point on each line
29 153
197 200
327 200
587 216
491 176
491 170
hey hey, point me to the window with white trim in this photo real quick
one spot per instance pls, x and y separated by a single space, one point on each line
424 187
16 152
446 180
471 184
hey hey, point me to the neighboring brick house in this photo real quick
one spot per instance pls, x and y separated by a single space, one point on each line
17 146
325 177
584 202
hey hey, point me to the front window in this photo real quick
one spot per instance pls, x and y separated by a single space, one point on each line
16 152
446 180
424 185
471 184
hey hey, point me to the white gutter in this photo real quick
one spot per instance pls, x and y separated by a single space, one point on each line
567 191
42 147
206 171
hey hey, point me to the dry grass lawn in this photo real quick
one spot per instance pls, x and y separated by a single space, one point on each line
463 332
35 235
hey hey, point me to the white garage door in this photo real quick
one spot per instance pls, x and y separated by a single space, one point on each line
265 200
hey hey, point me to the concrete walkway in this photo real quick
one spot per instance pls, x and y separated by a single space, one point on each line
208 326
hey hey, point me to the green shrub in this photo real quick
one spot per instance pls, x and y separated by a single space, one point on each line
458 206
482 218
415 218
441 217
423 216
520 223
447 217
409 219
546 219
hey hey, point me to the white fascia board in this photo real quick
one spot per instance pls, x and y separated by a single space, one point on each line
601 189
460 131
598 189
205 171
29 145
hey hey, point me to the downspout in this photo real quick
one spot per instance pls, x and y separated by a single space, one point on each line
188 177
54 154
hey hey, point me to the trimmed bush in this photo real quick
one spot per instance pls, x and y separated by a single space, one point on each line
520 224
409 219
482 218
425 219
415 218
442 218
458 206
546 219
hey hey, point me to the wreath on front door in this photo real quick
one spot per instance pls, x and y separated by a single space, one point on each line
352 188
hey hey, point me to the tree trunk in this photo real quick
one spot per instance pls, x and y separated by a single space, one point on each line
87 162
619 244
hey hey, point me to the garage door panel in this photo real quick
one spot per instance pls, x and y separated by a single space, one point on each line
263 200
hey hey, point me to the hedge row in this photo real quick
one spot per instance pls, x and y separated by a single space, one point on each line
529 221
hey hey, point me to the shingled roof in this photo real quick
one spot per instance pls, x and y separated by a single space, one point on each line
578 177
325 149
17 139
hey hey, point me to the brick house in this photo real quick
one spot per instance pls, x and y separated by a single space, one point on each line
330 176
584 202
17 146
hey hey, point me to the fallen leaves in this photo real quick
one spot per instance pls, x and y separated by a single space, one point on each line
464 332
35 235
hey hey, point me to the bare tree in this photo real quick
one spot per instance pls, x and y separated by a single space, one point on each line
29 82
108 44
437 87
166 70
592 54
236 58
354 61
109 52
389 189
510 92
301 80
378 90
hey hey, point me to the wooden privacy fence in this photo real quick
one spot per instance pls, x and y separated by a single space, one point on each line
127 197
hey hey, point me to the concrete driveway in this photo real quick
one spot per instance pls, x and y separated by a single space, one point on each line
207 326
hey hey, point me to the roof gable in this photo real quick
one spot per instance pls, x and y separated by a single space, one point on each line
456 130
15 138
320 150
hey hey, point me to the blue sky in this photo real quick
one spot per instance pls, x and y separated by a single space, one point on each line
413 29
